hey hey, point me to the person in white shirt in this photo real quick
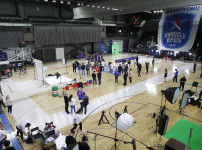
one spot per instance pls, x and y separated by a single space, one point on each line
86 61
77 120
9 104
103 65
21 128
3 137
72 103
111 68
92 64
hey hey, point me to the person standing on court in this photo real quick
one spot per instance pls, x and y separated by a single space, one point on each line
125 78
111 68
139 69
85 100
94 78
92 64
72 103
103 65
1 103
119 69
116 76
80 95
123 68
147 66
176 75
83 67
130 74
194 67
165 75
153 63
74 67
66 100
9 104
137 59
182 82
79 69
88 68
99 77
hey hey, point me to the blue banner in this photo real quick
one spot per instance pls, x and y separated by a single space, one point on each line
126 59
178 27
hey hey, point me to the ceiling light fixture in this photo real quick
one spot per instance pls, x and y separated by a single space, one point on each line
98 6
54 1
154 11
157 11
108 8
61 2
161 10
103 7
82 4
45 0
78 4
93 6
88 5
68 2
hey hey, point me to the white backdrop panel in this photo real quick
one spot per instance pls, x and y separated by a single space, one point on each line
39 68
60 53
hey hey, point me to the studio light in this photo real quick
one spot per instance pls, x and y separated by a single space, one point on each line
124 122
171 94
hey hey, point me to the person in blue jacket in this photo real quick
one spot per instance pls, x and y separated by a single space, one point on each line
116 76
80 95
176 75
79 69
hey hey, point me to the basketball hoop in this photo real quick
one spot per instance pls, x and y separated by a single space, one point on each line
33 51
152 37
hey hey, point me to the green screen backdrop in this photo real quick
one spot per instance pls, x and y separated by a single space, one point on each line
116 47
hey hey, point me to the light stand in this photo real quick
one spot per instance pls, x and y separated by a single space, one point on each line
95 141
101 119
125 110
66 69
195 84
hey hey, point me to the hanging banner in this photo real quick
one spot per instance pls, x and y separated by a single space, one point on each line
178 27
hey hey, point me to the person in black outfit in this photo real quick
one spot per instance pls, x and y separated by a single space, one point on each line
194 67
1 103
83 144
126 68
147 66
66 100
137 59
7 145
94 78
129 63
200 95
83 67
139 69
99 77
125 78
74 67
182 82
70 139
120 69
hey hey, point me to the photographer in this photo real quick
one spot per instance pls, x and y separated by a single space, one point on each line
83 145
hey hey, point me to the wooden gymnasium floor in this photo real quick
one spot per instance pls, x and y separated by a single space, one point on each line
143 98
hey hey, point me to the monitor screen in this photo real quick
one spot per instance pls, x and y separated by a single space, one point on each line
184 100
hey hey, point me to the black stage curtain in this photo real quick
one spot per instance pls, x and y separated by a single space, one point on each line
62 35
